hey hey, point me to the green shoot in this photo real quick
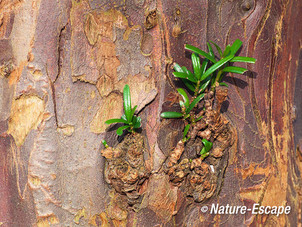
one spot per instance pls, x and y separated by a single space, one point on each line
221 66
185 138
186 107
104 142
208 71
131 121
207 146
171 115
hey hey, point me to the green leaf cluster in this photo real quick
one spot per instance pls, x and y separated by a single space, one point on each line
206 74
131 121
213 67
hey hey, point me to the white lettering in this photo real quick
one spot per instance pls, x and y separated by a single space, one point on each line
274 210
261 210
227 209
280 210
214 209
255 208
287 210
267 210
221 210
243 210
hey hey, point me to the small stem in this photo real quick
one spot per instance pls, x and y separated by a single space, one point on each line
192 119
132 130
196 89
217 79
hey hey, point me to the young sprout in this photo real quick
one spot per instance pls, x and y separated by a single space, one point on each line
104 142
186 106
207 146
184 137
221 66
131 122
206 75
192 81
211 70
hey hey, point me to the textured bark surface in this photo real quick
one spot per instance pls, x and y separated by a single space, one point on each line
63 65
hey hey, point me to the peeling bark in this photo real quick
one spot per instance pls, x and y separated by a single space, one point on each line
63 65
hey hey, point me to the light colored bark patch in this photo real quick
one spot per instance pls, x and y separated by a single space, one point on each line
23 31
48 221
142 90
66 130
112 107
112 51
26 114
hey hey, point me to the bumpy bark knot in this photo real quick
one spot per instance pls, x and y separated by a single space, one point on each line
125 168
199 177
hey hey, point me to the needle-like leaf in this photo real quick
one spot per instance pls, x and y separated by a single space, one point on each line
136 122
183 69
243 59
204 66
133 110
204 155
223 84
234 69
171 115
177 68
104 142
207 145
236 45
184 96
227 51
189 84
200 52
124 117
112 121
196 65
216 66
194 102
186 130
204 86
131 122
218 48
120 130
197 119
211 52
127 103
184 76
188 72
182 104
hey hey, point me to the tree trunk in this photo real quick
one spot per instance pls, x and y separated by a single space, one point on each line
63 68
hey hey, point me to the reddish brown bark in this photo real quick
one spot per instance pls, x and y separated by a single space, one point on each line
63 66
